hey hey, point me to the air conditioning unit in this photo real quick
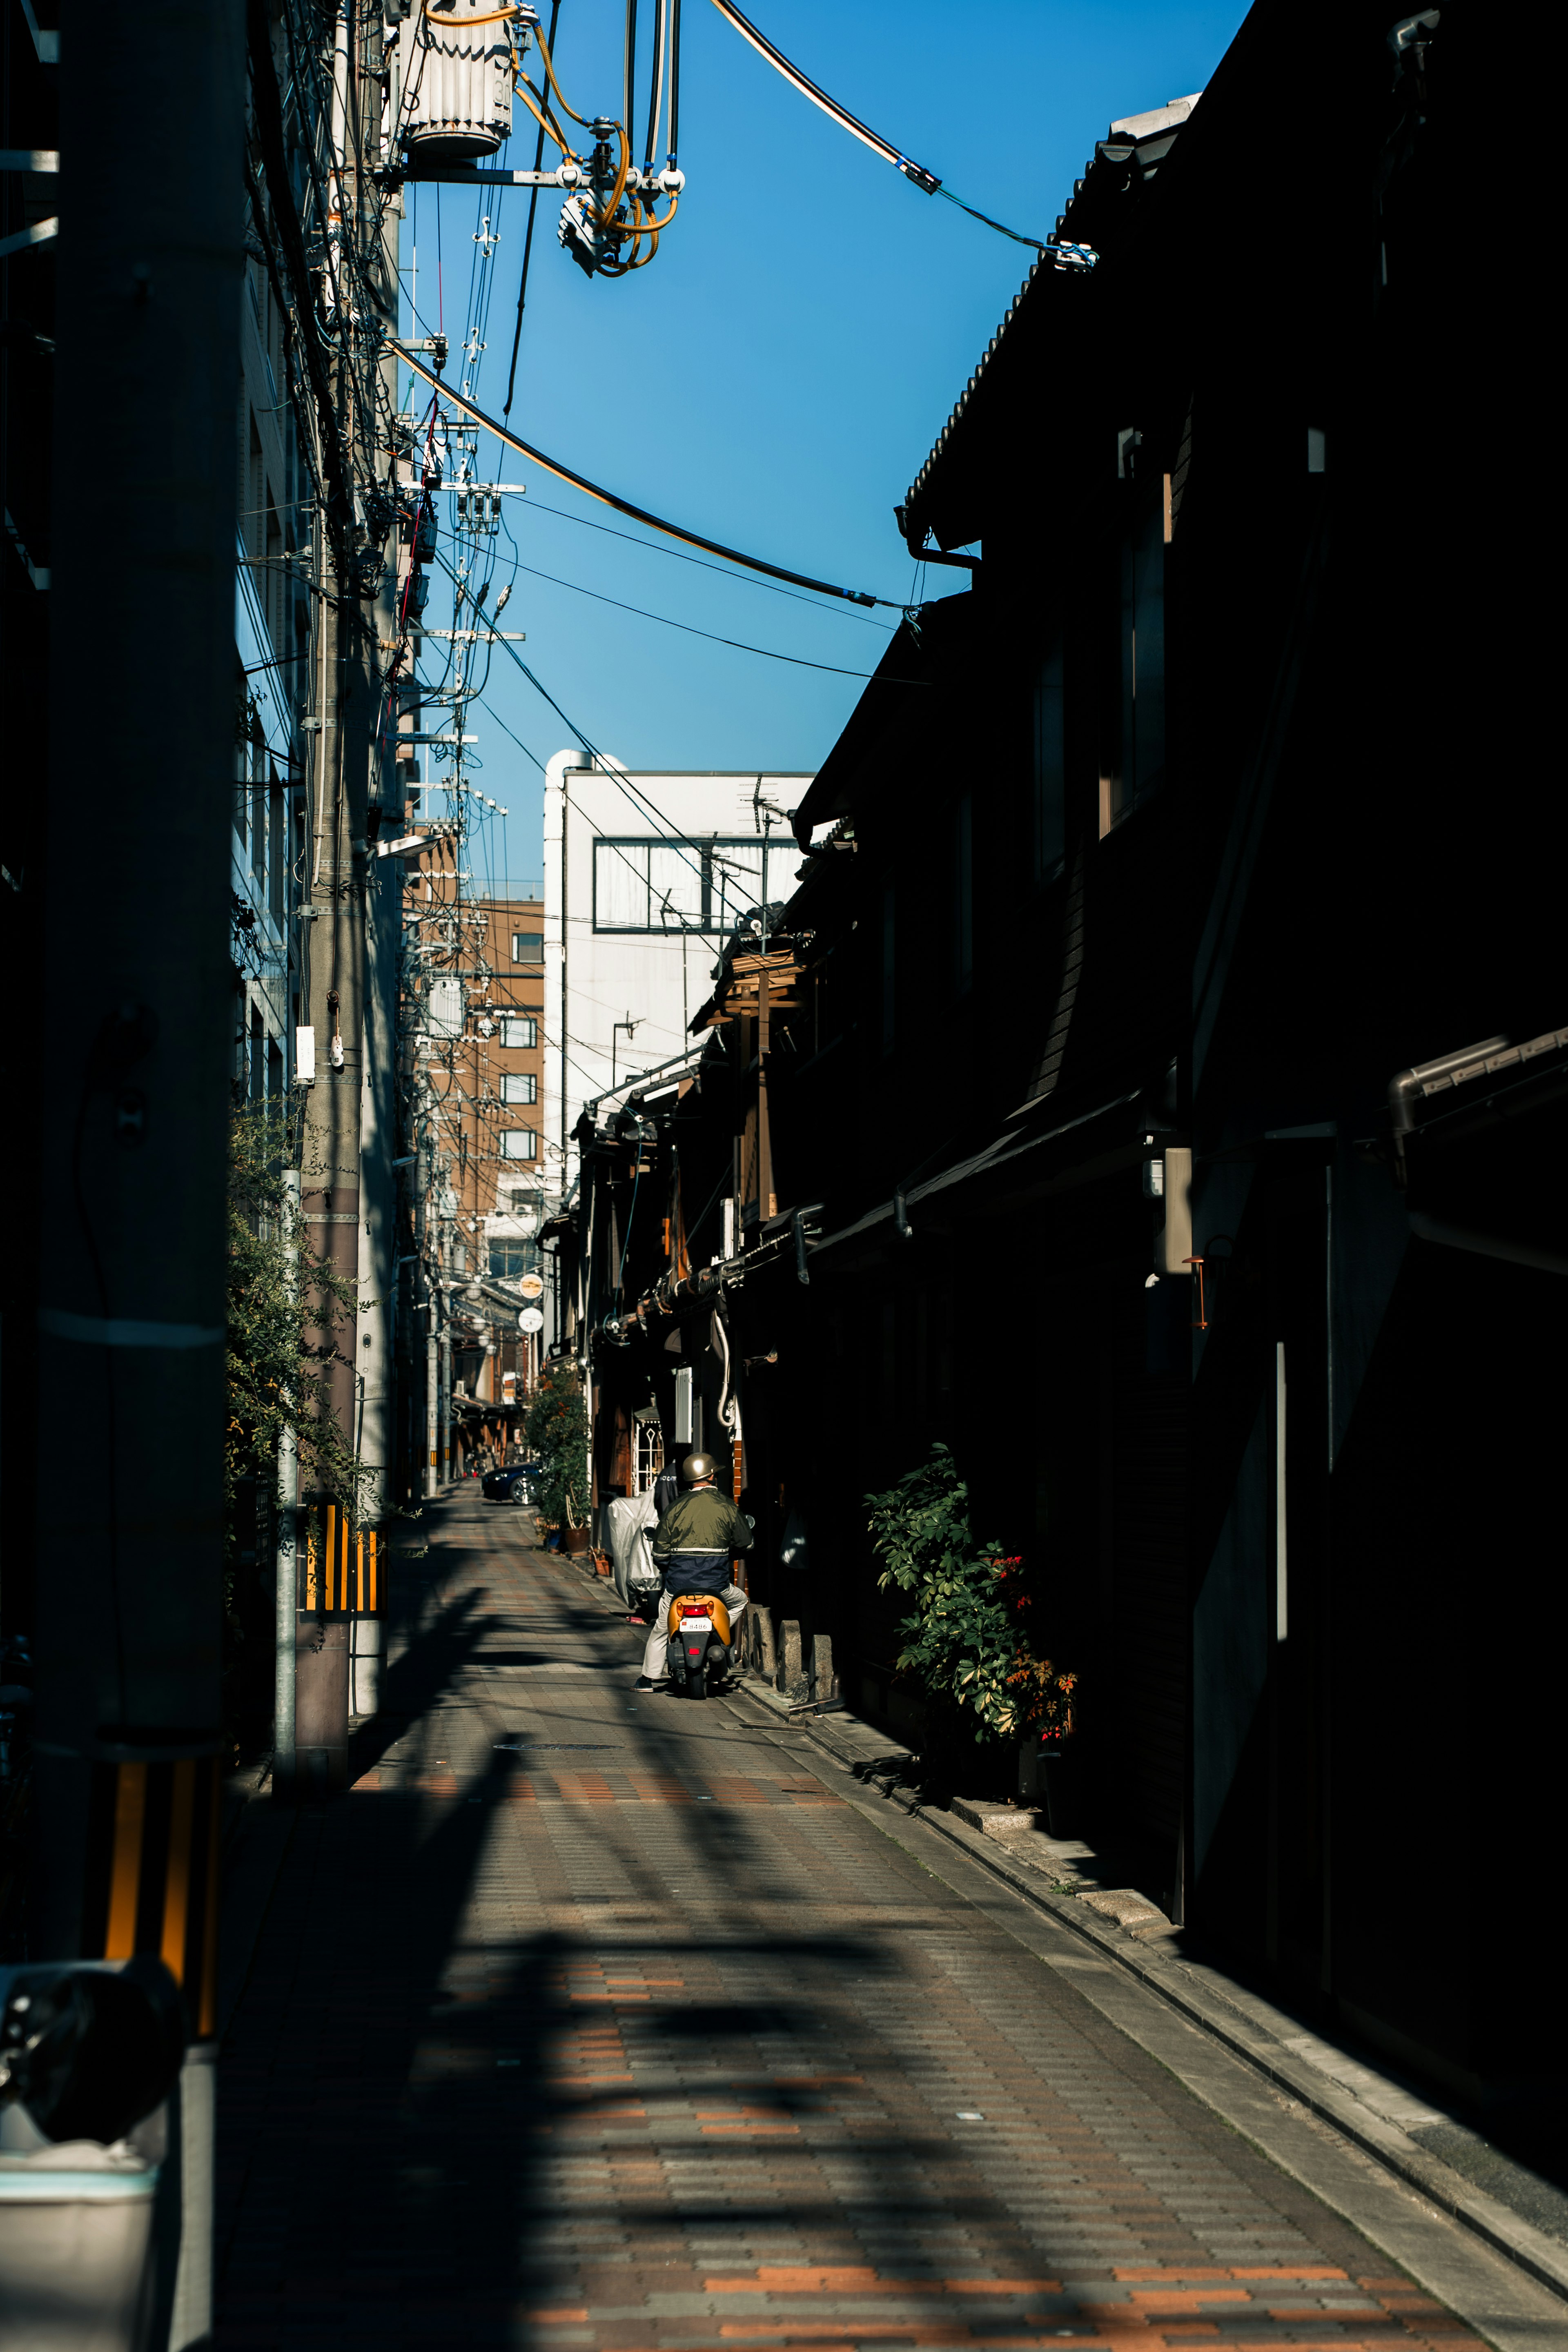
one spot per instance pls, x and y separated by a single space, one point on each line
458 84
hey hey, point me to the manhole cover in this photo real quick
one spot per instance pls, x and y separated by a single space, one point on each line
555 1747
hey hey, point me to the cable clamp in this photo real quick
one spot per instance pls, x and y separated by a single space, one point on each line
919 174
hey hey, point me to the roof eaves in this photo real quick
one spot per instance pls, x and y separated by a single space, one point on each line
1145 139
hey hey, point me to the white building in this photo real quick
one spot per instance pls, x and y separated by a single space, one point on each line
645 876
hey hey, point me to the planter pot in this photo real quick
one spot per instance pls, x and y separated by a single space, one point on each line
1060 1781
575 1541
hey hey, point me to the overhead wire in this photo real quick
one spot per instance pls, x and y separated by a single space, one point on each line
528 240
688 629
928 181
639 800
675 555
576 481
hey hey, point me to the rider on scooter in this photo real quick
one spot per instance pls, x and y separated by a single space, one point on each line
692 1545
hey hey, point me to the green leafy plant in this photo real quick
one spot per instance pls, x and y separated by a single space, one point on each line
285 1311
556 1430
964 1641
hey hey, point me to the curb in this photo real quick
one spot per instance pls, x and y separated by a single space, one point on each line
1519 2241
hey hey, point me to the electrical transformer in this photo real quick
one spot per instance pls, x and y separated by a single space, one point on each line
457 83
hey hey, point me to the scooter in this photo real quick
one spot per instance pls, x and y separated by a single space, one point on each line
698 1625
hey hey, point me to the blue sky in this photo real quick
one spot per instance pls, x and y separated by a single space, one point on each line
776 376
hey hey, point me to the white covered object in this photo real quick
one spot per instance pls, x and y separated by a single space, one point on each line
632 1518
458 81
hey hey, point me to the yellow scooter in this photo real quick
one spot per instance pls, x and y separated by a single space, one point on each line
699 1628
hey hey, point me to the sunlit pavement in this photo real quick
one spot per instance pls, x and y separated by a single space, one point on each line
592 2019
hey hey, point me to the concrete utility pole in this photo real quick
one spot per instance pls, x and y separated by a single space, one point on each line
134 1103
330 1158
346 1153
286 1618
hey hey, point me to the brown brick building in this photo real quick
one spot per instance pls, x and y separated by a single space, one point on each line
484 965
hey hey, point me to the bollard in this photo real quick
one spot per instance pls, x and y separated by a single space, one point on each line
792 1676
767 1659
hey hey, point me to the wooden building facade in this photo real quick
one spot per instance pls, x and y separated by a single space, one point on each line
1161 1100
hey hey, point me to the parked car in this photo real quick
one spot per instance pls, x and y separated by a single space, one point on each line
517 1484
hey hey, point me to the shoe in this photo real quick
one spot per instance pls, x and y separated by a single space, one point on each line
643 1683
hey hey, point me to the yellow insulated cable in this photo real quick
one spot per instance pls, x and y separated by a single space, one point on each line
461 24
525 90
544 49
650 227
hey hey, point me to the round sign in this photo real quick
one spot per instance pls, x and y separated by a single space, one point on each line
530 1320
531 1285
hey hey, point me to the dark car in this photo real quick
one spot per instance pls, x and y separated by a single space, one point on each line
518 1483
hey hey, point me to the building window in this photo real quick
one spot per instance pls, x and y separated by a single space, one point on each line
518 1033
1135 761
963 893
889 968
510 1257
518 1143
1050 768
708 884
528 947
520 1086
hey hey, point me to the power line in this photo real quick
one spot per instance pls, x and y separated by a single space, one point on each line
639 800
673 555
528 240
737 644
503 433
1072 257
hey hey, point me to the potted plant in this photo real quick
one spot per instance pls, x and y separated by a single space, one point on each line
1048 1772
557 1434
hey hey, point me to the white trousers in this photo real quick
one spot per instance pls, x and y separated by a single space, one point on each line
655 1656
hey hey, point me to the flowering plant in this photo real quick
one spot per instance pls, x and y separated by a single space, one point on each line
965 1640
1044 1696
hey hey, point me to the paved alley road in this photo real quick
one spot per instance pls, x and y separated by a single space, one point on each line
593 2020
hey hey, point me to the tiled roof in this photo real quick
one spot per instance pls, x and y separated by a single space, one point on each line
1140 141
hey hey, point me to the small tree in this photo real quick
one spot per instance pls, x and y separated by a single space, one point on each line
285 1307
556 1430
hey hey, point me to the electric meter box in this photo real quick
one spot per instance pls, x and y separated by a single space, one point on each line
457 83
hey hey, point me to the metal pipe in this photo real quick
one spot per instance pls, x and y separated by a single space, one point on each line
446 1409
1406 1089
432 1388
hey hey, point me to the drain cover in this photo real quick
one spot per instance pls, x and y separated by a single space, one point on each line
556 1747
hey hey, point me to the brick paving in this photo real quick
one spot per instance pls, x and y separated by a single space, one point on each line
593 2020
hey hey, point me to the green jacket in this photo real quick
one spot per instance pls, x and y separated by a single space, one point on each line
697 1537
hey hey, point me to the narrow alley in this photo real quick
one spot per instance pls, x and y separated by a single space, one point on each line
590 2019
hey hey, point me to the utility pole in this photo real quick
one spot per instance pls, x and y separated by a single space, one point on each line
134 1103
345 1204
286 1598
